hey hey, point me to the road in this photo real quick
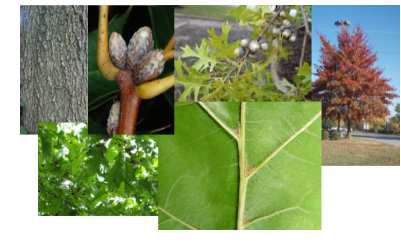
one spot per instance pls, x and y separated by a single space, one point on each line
389 139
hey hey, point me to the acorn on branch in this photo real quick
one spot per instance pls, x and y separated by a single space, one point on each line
244 43
264 46
254 46
252 57
293 12
286 33
286 23
293 37
240 52
276 30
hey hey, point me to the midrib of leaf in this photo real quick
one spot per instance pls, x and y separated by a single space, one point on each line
244 177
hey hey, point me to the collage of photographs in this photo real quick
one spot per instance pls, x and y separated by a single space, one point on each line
209 117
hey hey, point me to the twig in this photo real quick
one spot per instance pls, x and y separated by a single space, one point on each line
271 20
231 71
48 180
301 59
301 7
47 191
298 27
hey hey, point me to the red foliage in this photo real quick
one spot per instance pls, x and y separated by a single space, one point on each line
349 86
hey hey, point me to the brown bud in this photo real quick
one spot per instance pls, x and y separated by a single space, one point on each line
118 50
139 46
113 120
149 68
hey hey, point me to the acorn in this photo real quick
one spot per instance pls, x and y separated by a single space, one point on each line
286 23
264 46
276 30
252 57
293 12
244 43
282 13
286 33
240 52
293 37
254 46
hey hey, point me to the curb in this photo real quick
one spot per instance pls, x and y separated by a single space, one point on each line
202 18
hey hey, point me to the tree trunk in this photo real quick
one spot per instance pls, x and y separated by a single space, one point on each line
338 122
53 64
349 129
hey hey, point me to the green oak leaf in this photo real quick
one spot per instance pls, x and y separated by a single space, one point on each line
194 82
242 166
237 12
205 59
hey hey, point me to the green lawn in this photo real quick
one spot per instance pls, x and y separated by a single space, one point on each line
214 11
359 152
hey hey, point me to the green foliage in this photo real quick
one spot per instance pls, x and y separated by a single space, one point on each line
335 135
219 76
325 135
157 112
81 174
200 166
328 122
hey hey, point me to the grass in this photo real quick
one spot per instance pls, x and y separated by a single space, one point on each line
359 152
214 11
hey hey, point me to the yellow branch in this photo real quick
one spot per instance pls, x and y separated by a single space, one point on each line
169 55
170 45
154 88
106 67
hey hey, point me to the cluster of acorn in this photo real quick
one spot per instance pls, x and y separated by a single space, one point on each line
254 46
283 28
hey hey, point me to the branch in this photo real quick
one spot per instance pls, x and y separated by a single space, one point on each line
271 21
301 7
229 73
48 180
47 191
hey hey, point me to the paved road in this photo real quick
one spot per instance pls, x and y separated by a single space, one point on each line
389 139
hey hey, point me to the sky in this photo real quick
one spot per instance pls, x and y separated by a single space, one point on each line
380 23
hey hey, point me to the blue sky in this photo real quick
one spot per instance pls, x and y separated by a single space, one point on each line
380 23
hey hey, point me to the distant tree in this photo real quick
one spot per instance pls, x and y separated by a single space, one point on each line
328 122
348 84
397 110
378 123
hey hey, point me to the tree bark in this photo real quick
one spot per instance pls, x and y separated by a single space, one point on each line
53 64
349 129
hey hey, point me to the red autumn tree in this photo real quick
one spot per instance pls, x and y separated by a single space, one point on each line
348 84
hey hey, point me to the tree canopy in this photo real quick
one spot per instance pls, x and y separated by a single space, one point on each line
92 175
348 84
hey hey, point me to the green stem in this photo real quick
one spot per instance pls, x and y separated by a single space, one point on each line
242 168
